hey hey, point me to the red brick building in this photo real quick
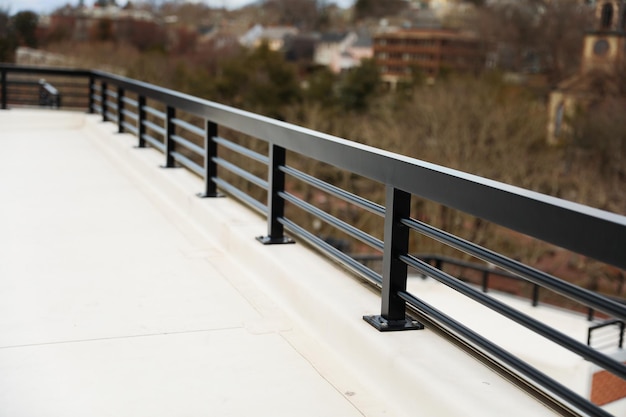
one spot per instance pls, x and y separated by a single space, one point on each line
399 54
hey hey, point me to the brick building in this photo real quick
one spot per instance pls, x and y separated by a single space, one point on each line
400 53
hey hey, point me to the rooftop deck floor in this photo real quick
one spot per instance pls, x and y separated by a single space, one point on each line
123 294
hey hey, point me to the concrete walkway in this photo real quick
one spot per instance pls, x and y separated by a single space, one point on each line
122 294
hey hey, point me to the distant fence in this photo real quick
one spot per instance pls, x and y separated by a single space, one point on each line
193 133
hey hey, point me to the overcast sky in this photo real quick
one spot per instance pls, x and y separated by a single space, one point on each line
46 6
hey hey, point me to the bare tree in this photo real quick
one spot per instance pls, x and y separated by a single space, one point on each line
535 35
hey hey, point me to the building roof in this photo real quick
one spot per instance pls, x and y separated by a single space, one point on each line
427 33
333 37
364 40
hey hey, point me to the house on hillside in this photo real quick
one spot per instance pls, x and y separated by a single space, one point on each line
342 51
274 36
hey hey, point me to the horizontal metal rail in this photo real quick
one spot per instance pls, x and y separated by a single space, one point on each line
130 114
133 129
241 173
188 163
155 112
231 189
153 142
335 191
154 127
198 150
188 126
67 94
334 221
530 274
130 101
241 150
335 253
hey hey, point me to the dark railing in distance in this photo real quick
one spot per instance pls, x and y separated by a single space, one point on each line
617 323
48 93
157 117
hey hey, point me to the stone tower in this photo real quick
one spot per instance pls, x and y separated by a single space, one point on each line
604 46
603 59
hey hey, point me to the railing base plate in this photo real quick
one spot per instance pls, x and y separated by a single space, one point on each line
268 240
384 325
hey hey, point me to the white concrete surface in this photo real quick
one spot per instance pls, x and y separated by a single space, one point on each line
122 294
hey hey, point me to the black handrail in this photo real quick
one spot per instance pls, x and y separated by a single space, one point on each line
588 231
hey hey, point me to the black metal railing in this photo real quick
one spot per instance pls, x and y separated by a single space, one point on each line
263 168
488 272
604 339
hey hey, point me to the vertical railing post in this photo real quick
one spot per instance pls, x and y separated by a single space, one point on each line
103 100
439 263
141 127
3 85
485 281
396 236
170 130
535 295
92 92
44 98
120 110
210 167
275 203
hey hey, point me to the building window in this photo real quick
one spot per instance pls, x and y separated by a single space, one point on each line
558 120
606 18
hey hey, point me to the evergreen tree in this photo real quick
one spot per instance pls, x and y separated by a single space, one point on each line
359 85
25 28
7 37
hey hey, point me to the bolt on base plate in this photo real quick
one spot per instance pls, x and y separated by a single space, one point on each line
384 325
